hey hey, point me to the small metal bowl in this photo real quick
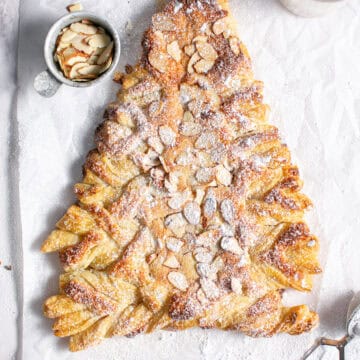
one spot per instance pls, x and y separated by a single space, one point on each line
47 82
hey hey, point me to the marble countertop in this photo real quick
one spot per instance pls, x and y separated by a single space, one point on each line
311 74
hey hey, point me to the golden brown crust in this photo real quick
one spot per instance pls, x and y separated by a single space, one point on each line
190 212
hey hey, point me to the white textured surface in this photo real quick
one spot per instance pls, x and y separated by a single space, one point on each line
312 77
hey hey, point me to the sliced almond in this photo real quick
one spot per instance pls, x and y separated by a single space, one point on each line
223 176
158 60
171 262
82 28
219 26
189 49
205 270
167 135
210 289
236 286
194 58
206 51
203 255
234 45
90 70
203 66
156 144
188 116
227 210
74 7
186 158
106 65
103 58
178 200
76 59
174 244
67 36
178 279
199 195
229 243
202 297
93 59
192 212
78 44
190 128
174 51
206 140
99 40
74 70
204 175
176 223
200 38
98 51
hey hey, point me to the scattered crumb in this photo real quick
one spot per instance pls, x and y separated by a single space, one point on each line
8 267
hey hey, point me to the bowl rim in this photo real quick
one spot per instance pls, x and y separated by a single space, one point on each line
67 19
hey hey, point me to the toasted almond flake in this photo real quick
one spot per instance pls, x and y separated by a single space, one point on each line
189 49
174 244
194 58
226 33
205 175
210 289
176 223
206 140
171 262
93 59
167 135
231 244
99 40
199 195
207 238
74 7
202 297
201 38
236 286
227 210
178 279
219 26
158 176
190 128
90 70
209 207
192 212
188 117
106 65
74 70
174 50
82 28
78 44
206 51
233 42
218 264
223 176
206 270
203 66
76 59
103 58
67 36
178 200
156 144
185 158
202 255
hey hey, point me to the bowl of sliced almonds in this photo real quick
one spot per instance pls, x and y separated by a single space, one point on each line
80 50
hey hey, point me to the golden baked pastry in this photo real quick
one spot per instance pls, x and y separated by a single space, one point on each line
190 211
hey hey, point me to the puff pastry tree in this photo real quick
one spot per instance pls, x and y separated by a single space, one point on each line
190 211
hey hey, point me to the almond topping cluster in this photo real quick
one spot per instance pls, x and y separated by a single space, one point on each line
83 51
